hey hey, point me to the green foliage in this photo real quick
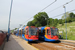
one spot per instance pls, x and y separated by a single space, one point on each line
55 22
24 25
70 30
40 19
15 28
50 21
61 22
69 17
29 23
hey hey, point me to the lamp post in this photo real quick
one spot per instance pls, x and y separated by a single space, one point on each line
65 16
10 17
65 21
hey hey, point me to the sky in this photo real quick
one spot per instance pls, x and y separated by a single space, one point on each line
25 9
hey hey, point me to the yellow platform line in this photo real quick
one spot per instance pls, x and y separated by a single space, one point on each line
30 45
33 46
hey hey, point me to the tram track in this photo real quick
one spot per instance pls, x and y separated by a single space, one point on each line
41 46
63 45
53 46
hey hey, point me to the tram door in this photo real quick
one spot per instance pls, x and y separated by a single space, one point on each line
26 32
48 33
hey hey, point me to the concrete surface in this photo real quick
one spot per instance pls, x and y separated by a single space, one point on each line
67 40
16 43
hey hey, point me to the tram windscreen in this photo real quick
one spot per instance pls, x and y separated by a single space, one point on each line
33 31
54 31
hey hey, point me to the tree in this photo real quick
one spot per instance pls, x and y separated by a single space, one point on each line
50 21
15 28
55 22
67 15
63 17
24 25
30 23
60 21
41 18
72 16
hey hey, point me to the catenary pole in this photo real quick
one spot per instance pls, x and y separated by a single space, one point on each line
9 17
65 16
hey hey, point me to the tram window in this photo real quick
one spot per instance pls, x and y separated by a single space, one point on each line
43 32
19 32
26 31
48 32
23 32
54 31
39 31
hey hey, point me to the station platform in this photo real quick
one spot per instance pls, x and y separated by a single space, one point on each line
72 41
16 43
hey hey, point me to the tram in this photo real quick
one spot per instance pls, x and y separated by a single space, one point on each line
48 33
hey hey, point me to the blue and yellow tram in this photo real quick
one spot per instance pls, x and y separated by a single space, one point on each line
28 33
48 33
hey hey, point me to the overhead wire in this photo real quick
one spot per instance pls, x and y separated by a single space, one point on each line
48 5
40 11
63 13
60 6
55 8
49 11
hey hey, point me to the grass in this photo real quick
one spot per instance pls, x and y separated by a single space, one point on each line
70 30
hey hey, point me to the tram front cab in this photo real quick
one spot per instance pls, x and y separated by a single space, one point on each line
51 34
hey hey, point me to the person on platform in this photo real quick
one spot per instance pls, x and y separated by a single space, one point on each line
7 37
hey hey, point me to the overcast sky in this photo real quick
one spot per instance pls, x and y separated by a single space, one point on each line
24 9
